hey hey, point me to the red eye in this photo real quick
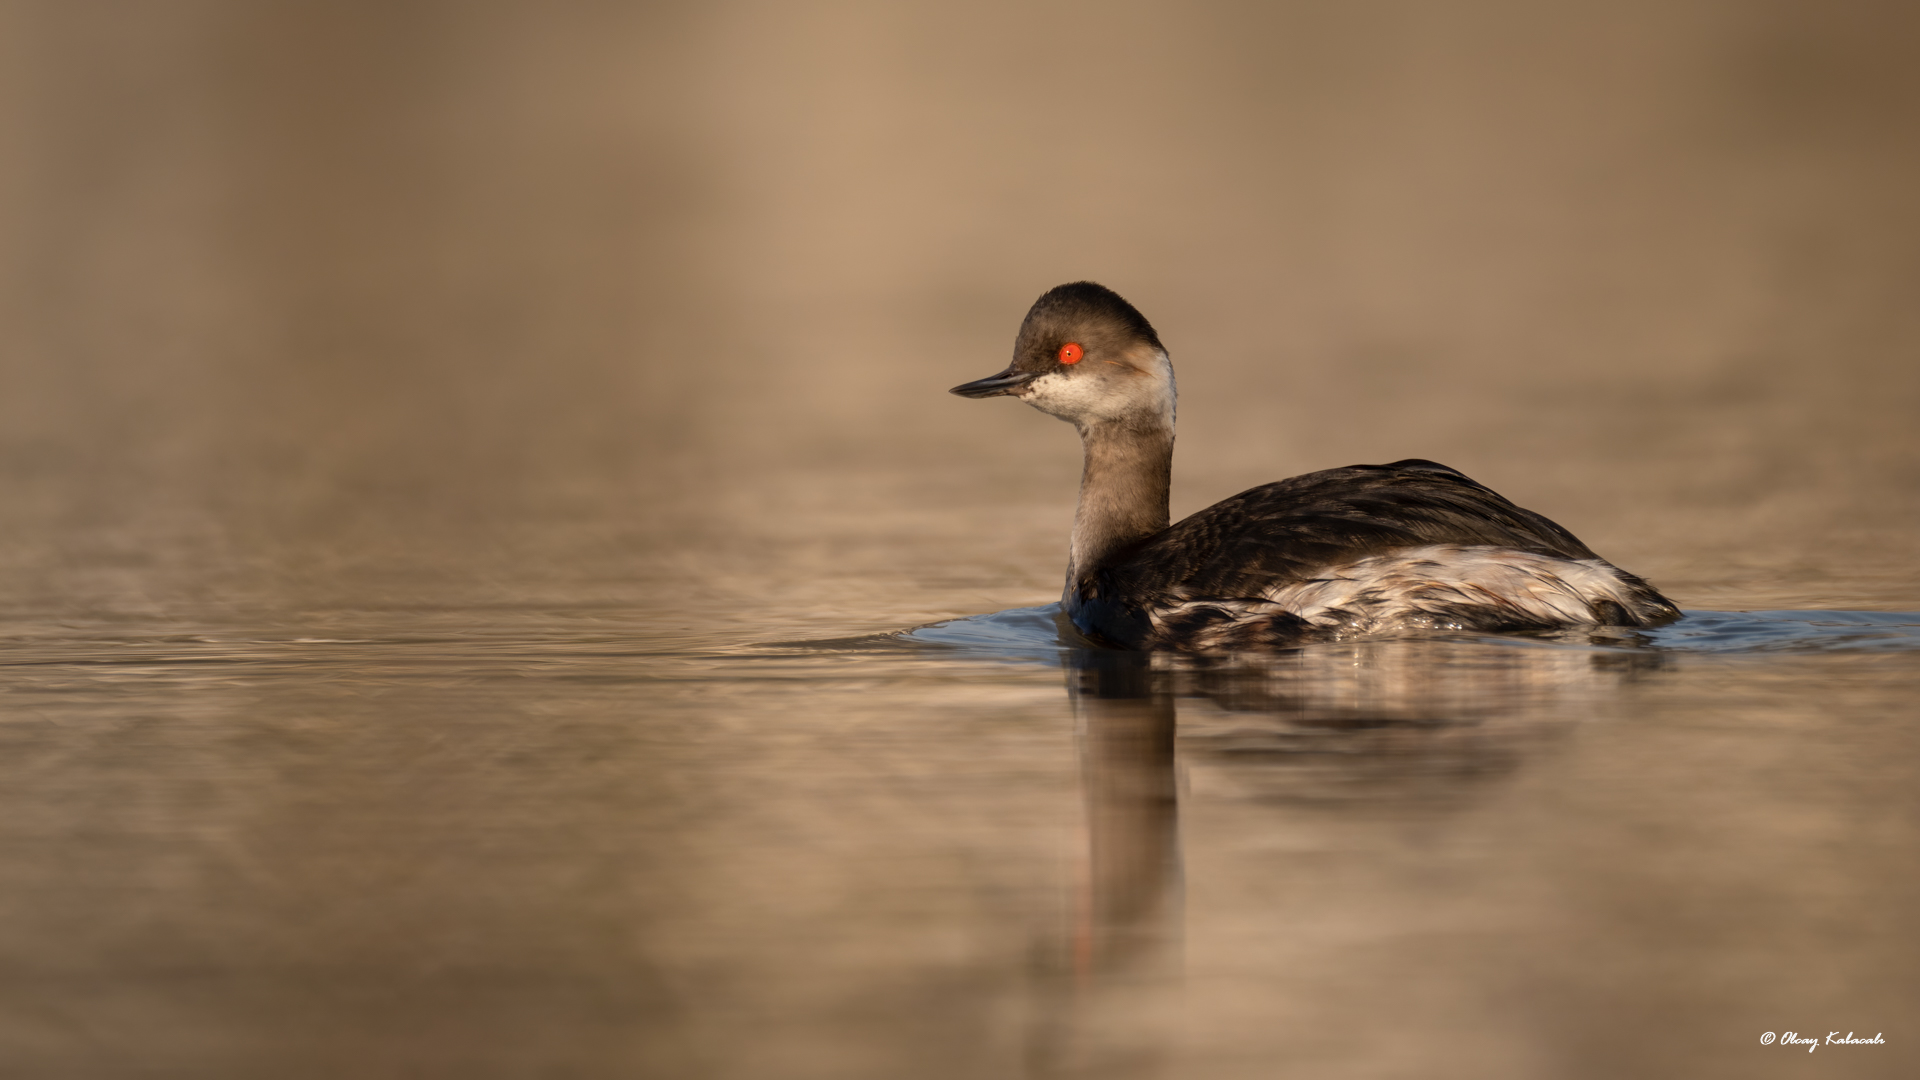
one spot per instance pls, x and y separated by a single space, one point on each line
1070 353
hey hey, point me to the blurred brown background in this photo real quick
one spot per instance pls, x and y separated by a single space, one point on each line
313 290
380 381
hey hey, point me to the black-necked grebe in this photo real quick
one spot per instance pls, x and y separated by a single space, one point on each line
1366 549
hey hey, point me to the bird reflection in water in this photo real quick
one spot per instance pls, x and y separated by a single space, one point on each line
1420 725
1105 987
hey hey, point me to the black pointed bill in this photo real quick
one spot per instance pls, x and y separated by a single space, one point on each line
1006 382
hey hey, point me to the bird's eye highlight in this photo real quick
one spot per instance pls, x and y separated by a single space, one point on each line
1071 352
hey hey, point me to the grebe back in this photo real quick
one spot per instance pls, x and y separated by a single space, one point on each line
1366 549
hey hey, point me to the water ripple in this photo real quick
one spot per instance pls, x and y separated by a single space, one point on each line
1040 633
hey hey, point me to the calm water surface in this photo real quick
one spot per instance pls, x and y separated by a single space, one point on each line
500 842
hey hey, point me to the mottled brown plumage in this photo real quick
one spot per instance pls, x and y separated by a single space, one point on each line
1360 550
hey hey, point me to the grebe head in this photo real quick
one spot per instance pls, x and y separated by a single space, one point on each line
1089 358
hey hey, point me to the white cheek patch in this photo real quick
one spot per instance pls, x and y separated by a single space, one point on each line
1090 394
1069 397
1160 379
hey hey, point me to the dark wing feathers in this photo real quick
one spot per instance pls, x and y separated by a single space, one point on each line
1284 531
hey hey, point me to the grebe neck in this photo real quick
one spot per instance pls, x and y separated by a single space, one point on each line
1123 491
